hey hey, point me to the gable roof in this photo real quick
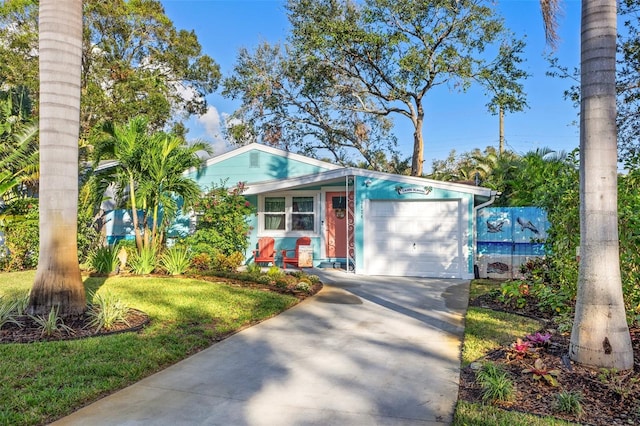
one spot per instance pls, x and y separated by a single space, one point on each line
273 151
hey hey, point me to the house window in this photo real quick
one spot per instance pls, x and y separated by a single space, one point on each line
302 217
289 214
274 213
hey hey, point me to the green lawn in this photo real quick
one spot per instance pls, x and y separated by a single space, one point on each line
43 381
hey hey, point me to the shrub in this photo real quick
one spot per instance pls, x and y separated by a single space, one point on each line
275 272
21 235
176 260
144 262
104 260
231 262
254 269
106 311
303 286
222 222
201 262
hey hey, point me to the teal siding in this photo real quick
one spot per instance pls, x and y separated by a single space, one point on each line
263 166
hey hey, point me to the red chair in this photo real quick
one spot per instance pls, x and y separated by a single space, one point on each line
302 241
266 251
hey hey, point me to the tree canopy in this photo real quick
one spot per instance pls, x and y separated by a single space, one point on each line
134 61
362 63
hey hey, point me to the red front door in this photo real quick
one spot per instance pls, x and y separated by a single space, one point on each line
336 224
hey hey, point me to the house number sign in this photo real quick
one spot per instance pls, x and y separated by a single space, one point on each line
426 190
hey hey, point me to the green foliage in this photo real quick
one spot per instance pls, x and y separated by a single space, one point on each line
8 312
222 225
176 260
21 235
349 67
201 262
303 286
106 311
104 260
230 262
569 402
52 324
274 272
159 71
144 262
254 269
495 383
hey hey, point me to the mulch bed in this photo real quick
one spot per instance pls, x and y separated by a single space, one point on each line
608 398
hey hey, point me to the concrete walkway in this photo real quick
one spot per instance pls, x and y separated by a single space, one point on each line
364 351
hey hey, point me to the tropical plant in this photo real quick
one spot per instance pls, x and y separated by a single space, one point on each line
540 371
569 402
58 285
144 261
51 324
104 259
495 383
148 175
600 335
106 311
8 312
176 260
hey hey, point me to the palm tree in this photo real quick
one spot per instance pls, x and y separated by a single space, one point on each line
164 164
58 283
148 172
125 144
600 335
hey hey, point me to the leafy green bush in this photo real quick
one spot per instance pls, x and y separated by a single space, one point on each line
176 260
104 260
21 235
222 225
201 262
144 262
231 262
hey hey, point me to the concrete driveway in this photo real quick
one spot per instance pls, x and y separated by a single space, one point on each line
363 351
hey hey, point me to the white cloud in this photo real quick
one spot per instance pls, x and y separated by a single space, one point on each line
211 122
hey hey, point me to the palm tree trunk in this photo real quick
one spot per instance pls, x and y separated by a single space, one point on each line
58 282
600 335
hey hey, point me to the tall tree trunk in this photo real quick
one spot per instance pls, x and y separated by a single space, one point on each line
600 335
501 132
58 282
418 142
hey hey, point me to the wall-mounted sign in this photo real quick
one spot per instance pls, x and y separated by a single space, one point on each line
426 190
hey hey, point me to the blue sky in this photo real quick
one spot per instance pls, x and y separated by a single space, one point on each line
453 120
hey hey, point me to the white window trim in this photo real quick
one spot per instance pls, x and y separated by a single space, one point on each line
288 200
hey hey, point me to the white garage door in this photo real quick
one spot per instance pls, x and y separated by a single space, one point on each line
413 238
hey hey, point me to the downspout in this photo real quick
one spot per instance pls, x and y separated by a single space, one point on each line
492 199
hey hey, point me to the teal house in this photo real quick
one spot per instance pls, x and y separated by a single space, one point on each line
367 222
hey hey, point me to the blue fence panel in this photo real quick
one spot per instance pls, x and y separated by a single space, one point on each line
506 237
